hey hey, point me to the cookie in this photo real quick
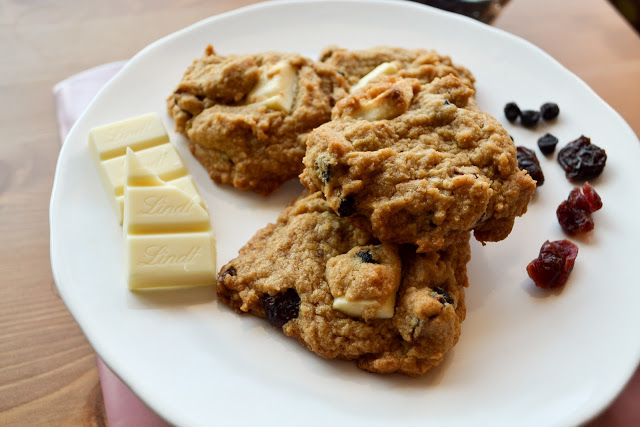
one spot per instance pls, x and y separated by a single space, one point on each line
425 65
419 161
326 281
246 116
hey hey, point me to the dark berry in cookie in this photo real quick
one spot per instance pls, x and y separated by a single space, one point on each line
347 206
547 143
549 110
527 160
554 263
444 297
529 118
366 256
324 170
574 214
511 111
282 307
231 271
582 160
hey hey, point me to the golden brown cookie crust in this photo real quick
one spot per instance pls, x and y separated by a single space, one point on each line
424 65
434 169
250 145
293 254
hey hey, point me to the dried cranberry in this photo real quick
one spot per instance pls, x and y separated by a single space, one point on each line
282 307
527 160
547 143
529 118
574 214
549 110
595 202
511 111
574 220
554 263
582 160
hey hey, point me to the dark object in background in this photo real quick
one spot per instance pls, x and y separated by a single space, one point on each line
630 9
482 10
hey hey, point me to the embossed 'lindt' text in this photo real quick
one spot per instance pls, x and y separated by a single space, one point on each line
161 255
161 160
120 133
160 205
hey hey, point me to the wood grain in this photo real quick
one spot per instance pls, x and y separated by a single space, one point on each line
48 373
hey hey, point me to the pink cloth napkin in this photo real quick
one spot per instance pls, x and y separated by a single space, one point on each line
124 409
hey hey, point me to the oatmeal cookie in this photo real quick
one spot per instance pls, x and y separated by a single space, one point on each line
326 281
421 162
425 65
246 116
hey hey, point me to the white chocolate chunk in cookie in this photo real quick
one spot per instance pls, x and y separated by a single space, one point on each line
357 308
364 281
276 87
383 102
384 69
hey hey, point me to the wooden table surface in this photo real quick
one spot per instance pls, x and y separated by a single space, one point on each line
48 372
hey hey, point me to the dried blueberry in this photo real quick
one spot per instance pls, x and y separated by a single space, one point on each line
324 170
549 110
529 118
527 160
444 296
282 307
347 206
366 256
582 160
547 143
511 111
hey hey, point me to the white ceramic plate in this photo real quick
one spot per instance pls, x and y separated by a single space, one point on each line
525 357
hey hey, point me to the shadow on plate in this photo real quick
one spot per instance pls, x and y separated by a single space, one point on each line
173 297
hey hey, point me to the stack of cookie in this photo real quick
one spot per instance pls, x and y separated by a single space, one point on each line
369 264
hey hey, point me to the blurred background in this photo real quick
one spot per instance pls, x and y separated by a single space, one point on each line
487 10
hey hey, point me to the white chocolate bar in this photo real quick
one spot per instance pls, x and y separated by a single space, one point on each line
167 233
140 132
145 135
